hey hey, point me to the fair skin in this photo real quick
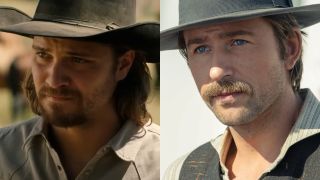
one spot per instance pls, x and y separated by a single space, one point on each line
73 77
246 52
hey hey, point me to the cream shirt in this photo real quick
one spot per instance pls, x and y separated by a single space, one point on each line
132 154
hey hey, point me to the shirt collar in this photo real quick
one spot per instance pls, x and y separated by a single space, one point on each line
307 124
126 143
39 128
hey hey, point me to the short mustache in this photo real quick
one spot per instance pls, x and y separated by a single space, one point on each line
226 87
64 92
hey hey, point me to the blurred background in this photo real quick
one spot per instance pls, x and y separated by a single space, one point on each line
15 61
186 122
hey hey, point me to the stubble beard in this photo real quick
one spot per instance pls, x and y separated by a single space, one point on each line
56 113
61 119
81 113
244 115
255 105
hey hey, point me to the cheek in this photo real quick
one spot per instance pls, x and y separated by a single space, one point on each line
200 74
38 77
95 83
99 93
267 74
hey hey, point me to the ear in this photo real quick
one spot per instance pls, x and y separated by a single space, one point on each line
293 49
124 64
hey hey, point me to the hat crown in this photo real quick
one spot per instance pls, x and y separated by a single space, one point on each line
96 13
205 9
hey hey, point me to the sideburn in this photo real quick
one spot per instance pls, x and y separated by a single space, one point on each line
30 93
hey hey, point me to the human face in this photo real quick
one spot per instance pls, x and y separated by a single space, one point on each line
74 80
237 69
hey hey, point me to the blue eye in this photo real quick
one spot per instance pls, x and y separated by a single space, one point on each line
202 49
239 42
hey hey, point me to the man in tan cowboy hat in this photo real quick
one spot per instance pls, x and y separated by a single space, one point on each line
89 83
245 58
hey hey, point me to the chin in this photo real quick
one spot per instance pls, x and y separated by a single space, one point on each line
235 122
65 120
234 117
59 118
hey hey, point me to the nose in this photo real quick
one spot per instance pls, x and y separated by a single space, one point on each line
220 66
57 76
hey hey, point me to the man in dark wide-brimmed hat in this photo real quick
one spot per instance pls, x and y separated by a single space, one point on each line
245 58
89 84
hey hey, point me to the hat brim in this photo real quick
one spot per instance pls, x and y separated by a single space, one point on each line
10 16
305 15
141 36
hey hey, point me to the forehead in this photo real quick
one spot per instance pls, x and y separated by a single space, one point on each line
64 43
253 26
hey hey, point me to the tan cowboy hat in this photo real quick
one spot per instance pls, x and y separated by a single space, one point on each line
98 19
194 14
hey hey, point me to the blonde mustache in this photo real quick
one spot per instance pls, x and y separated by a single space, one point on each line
215 89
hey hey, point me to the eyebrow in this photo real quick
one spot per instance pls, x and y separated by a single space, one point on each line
197 40
87 55
68 52
235 33
40 48
200 40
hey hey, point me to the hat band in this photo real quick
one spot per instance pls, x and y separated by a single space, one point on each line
104 27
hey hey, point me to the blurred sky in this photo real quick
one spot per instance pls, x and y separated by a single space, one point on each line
186 122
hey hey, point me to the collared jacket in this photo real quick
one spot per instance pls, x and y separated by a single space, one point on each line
132 154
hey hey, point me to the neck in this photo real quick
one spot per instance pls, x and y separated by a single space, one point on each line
259 143
85 140
272 128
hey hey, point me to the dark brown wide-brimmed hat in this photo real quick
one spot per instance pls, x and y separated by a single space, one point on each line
97 19
193 14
